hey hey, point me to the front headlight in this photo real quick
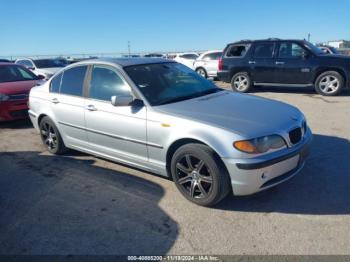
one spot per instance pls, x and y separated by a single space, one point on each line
260 145
4 97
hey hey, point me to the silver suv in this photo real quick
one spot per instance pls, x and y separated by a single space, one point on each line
207 64
162 117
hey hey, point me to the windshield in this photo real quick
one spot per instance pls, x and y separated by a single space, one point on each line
313 48
169 82
14 73
50 63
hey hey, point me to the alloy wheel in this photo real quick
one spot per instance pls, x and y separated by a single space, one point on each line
49 136
201 72
241 83
329 84
194 176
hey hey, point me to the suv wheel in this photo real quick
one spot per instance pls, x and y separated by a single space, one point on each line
329 83
199 174
201 71
51 137
241 82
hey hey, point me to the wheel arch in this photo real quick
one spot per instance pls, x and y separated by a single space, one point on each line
240 70
177 144
326 69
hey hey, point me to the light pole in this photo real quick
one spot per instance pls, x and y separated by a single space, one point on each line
308 37
129 47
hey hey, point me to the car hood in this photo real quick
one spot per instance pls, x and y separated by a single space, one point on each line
20 87
246 115
339 56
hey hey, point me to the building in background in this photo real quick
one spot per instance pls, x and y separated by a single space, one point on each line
339 44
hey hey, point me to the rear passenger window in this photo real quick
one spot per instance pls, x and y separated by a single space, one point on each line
264 50
73 81
55 84
237 51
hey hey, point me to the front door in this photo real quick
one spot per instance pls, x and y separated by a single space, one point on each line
117 131
293 64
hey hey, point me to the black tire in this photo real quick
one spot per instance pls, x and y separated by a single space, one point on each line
333 89
211 178
51 137
246 82
201 71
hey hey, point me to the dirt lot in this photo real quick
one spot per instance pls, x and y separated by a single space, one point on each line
78 204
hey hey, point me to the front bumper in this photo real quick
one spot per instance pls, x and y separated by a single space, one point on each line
13 110
249 176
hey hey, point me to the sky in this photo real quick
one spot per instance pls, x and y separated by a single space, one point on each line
41 27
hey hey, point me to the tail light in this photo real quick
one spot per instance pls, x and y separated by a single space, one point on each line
220 64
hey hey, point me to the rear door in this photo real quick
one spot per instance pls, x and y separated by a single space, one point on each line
262 62
68 103
291 66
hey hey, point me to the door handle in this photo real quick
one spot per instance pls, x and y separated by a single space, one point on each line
251 62
55 100
279 63
91 108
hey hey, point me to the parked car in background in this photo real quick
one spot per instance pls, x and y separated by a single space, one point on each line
186 59
207 64
4 61
161 116
153 55
275 62
15 83
329 49
43 67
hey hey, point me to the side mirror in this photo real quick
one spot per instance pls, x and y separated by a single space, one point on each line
125 100
40 77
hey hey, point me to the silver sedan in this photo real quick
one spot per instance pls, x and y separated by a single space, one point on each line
163 117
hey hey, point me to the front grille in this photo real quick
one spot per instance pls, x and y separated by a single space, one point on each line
295 135
18 97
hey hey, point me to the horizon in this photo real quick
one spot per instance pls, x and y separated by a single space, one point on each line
105 27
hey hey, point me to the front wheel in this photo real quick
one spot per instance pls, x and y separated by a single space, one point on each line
199 174
241 82
329 83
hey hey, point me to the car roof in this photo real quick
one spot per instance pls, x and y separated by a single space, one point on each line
7 63
127 61
246 41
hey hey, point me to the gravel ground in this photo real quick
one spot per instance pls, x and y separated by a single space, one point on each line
79 204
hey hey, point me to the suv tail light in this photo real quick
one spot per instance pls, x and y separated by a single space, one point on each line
220 64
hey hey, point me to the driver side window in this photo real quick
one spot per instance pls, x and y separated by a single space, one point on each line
290 50
106 83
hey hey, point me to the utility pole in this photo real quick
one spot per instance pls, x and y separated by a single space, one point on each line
129 47
308 37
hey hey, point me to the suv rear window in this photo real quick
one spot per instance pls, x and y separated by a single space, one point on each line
237 50
264 50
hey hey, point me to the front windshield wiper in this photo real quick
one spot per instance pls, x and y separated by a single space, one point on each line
182 98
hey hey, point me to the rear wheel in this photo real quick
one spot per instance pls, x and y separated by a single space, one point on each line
201 71
199 174
51 137
329 83
241 82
